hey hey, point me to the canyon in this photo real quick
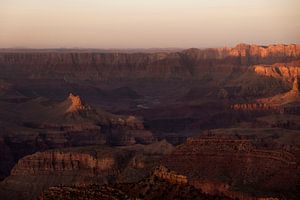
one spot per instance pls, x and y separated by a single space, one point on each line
99 164
151 187
185 64
239 167
220 122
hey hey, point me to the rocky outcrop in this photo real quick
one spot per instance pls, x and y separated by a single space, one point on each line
254 107
285 103
41 170
148 188
81 165
189 63
169 176
49 162
281 99
285 71
281 121
83 192
75 104
235 164
43 124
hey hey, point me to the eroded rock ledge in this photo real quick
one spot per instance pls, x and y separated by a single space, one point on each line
222 165
190 63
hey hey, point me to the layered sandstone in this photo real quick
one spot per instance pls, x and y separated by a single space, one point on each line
148 188
287 71
39 124
281 99
169 176
75 103
232 166
81 165
285 103
281 121
67 166
103 66
83 192
229 165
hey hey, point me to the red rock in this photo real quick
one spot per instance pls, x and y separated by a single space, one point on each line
234 164
103 66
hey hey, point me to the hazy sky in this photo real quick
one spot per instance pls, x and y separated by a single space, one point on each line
147 23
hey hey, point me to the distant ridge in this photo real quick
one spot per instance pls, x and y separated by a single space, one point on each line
136 50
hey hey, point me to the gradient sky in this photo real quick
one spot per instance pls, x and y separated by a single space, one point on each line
147 23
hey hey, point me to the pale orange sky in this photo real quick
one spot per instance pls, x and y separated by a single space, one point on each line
147 23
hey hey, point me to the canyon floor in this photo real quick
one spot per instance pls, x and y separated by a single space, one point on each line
189 124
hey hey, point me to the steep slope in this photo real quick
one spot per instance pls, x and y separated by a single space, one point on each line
81 165
292 96
152 187
36 172
237 166
287 71
284 103
40 124
191 63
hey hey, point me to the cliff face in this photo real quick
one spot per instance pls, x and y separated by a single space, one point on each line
170 176
43 125
148 189
102 66
68 166
235 164
98 164
283 71
279 103
48 162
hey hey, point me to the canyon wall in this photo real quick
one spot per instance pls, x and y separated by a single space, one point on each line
170 176
286 71
191 63
229 166
98 164
41 170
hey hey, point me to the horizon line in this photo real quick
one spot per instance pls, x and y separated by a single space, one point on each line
143 48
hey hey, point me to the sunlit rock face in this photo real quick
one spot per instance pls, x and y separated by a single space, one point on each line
75 103
284 71
189 63
67 166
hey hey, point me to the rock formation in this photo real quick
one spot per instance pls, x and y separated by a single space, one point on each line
46 125
127 100
83 192
68 166
169 176
287 71
280 103
147 188
102 66
81 165
228 165
280 120
75 103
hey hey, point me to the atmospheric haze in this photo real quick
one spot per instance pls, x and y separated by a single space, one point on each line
147 24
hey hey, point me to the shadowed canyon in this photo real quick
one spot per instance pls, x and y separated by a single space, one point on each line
216 123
